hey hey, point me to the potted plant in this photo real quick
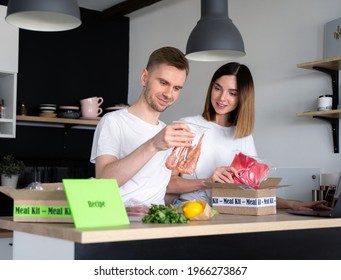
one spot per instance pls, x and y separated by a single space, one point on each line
10 169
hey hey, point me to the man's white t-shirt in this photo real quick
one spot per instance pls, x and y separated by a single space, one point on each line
218 149
118 134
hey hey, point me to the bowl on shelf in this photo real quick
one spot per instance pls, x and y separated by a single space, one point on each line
69 112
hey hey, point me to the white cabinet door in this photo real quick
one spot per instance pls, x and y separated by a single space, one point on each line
6 248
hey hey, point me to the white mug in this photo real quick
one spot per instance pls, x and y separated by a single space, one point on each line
324 102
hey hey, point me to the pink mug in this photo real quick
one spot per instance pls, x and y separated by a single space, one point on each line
93 101
90 107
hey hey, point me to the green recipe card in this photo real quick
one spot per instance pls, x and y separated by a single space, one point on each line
95 203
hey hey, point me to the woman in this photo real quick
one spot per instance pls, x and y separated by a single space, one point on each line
229 115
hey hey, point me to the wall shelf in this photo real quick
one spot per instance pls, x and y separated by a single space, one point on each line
330 66
56 122
333 63
336 114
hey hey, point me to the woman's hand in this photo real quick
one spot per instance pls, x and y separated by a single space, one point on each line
297 205
223 174
313 205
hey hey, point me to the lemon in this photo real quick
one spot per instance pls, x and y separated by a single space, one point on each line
192 209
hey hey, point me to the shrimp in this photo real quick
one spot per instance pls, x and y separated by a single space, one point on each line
185 159
175 157
189 165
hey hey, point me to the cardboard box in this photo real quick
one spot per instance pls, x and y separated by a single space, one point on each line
244 200
48 205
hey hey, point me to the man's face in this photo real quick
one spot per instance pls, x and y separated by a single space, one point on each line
162 86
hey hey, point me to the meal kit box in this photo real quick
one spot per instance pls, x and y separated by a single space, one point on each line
244 200
49 205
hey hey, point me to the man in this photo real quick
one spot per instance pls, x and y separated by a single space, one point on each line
131 145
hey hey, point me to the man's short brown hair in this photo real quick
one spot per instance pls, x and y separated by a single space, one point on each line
170 56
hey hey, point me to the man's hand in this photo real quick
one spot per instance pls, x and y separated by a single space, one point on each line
173 135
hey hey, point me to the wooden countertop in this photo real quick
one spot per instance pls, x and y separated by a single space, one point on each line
5 233
64 121
220 224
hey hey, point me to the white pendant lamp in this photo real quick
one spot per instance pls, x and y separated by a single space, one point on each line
43 15
215 37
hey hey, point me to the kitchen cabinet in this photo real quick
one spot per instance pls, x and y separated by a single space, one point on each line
330 66
9 45
6 241
8 96
63 123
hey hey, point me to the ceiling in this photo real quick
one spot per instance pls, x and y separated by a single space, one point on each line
98 5
115 7
110 7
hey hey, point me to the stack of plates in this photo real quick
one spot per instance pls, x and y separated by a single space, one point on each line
116 107
48 110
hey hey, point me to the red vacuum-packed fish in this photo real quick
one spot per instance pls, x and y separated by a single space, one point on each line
250 171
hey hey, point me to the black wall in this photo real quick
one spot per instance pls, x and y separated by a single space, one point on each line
62 68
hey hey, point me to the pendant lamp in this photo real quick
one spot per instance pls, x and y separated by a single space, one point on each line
215 37
43 15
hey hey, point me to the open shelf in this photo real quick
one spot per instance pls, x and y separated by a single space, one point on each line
333 63
63 122
330 66
335 114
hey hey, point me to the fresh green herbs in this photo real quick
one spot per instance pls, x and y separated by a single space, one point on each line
161 214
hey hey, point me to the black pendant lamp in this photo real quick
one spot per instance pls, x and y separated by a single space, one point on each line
43 15
215 37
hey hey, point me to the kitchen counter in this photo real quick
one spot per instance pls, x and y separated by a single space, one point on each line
272 231
221 224
5 233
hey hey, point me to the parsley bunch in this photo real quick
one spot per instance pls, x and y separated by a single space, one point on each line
161 214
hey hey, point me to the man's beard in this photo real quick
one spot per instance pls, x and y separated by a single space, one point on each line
153 104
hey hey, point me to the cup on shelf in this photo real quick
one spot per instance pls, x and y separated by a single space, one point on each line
324 102
22 111
90 107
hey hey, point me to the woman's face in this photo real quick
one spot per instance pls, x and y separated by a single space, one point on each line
224 95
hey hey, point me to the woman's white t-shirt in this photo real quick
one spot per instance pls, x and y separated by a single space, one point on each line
218 149
118 134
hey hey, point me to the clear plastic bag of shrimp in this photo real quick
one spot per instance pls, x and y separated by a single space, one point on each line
185 159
